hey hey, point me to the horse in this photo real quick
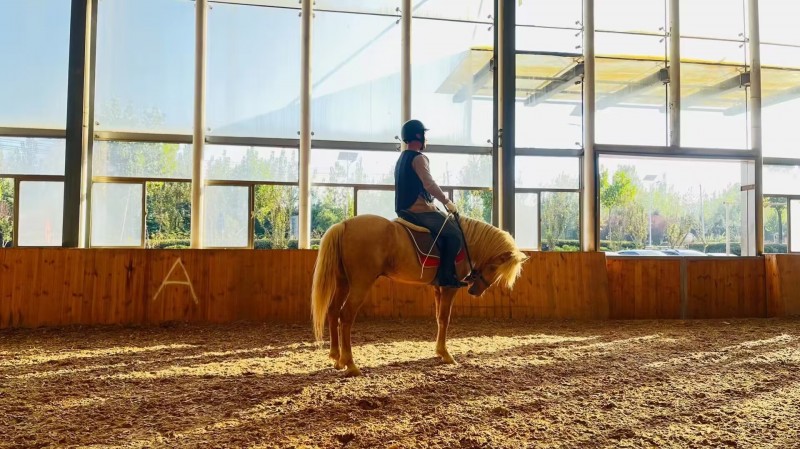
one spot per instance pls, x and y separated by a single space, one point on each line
354 253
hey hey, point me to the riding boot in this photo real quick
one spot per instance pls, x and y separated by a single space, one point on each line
447 266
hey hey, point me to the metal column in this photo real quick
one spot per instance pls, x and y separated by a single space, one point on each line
674 74
79 121
405 63
198 142
508 74
589 173
755 123
496 118
304 180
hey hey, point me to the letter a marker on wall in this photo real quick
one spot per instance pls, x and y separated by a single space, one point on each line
166 281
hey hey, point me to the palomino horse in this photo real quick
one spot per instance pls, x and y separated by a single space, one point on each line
354 253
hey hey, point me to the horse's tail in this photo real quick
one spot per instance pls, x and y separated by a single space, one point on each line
327 270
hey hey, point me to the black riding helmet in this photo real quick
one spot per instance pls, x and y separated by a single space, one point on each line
410 130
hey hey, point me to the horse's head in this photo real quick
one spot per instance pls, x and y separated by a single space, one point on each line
504 267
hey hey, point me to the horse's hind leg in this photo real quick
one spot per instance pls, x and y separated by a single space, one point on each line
353 303
444 302
334 312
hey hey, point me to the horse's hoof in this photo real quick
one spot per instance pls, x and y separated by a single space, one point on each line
352 372
339 366
448 359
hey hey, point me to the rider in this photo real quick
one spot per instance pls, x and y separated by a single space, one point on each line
415 190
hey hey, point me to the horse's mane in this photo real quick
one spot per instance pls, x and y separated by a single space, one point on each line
486 241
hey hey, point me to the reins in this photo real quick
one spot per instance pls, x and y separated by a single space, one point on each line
473 273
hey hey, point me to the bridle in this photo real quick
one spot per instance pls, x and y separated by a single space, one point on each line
474 274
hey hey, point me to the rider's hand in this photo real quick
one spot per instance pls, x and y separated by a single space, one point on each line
451 207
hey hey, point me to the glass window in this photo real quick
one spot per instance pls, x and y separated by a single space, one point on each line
794 221
561 13
469 10
169 213
461 170
642 47
6 212
354 167
780 102
535 39
291 4
145 66
356 77
647 16
713 90
248 94
526 220
631 102
710 51
779 21
370 7
540 172
276 212
376 202
329 205
776 225
41 213
549 102
560 221
713 106
781 180
31 156
116 214
451 88
670 203
722 19
475 204
227 216
781 55
142 159
247 163
34 42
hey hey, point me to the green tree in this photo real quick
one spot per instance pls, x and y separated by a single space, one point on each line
329 205
6 212
475 203
775 220
617 195
636 223
678 230
168 211
560 211
274 207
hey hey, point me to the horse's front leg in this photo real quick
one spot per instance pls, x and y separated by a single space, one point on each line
444 302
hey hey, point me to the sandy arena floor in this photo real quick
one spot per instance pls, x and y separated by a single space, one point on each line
540 384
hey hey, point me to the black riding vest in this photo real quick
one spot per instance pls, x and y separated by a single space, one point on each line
407 185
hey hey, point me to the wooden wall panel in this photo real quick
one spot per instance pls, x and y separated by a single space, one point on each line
783 285
47 287
644 288
561 285
726 288
6 283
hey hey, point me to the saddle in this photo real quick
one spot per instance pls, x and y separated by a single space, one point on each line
422 240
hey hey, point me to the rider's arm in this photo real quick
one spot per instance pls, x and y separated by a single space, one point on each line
420 165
